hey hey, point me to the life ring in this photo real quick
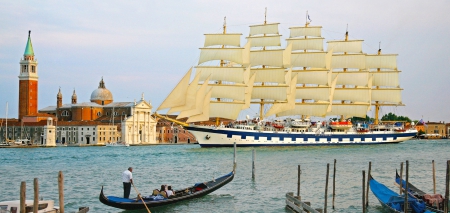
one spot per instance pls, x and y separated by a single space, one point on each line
207 137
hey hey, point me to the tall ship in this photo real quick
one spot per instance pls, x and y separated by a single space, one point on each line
290 85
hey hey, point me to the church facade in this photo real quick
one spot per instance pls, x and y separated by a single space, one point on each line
97 122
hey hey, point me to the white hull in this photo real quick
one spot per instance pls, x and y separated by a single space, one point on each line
117 145
45 206
218 137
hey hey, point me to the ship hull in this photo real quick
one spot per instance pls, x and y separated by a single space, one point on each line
225 137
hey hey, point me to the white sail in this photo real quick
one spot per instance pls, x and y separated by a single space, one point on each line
309 59
275 92
313 93
391 95
356 61
264 29
386 78
280 107
315 31
230 74
204 116
357 78
351 46
178 95
229 54
350 110
234 92
312 109
306 44
276 75
199 99
228 39
385 61
190 96
352 94
267 58
228 110
263 41
319 77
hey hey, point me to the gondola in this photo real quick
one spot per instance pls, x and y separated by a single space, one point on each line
393 201
195 191
430 199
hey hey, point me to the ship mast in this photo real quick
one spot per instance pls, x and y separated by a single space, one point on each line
261 104
222 62
377 105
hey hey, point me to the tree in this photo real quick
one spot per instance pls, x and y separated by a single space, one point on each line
393 117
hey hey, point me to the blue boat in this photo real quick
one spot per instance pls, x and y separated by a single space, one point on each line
394 202
434 202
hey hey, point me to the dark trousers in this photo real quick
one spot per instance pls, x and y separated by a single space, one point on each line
126 189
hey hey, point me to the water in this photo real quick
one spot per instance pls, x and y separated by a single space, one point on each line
87 169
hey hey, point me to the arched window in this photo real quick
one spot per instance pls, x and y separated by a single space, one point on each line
99 114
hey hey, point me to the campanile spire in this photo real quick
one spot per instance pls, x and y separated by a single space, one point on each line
28 82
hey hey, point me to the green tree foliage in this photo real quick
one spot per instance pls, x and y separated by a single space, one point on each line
360 120
393 117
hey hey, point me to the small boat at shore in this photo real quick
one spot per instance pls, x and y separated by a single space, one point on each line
44 206
195 191
117 144
435 202
394 202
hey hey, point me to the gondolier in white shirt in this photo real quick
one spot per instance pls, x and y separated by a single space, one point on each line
127 178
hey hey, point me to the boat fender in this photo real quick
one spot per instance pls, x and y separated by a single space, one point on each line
207 137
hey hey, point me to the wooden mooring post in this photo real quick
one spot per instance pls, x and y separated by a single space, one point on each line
364 191
434 178
405 209
367 185
447 180
334 182
22 196
401 178
61 191
36 196
326 189
298 181
253 164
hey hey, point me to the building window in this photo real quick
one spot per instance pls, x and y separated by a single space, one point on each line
116 113
99 114
87 128
93 139
81 139
93 133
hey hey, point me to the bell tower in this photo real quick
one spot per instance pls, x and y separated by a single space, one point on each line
28 82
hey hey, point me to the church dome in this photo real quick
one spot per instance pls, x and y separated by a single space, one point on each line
101 95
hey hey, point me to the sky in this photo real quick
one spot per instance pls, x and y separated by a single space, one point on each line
147 46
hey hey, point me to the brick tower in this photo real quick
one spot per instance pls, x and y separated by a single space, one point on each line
28 82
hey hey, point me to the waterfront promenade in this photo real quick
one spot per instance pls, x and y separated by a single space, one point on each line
87 169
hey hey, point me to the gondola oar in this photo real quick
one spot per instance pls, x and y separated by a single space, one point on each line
139 195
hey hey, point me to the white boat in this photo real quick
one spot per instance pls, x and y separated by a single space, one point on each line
44 206
117 144
301 79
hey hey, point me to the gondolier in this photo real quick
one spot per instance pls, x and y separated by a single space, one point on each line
127 179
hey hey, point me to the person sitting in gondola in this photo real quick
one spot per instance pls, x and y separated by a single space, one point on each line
169 191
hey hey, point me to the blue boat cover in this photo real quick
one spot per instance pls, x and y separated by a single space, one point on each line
120 199
395 201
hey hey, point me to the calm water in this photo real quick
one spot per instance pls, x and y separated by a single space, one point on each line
87 169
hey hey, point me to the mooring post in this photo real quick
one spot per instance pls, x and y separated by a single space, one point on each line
367 186
406 187
326 189
401 178
334 181
253 164
298 181
61 191
434 178
234 157
447 179
364 190
22 196
36 196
